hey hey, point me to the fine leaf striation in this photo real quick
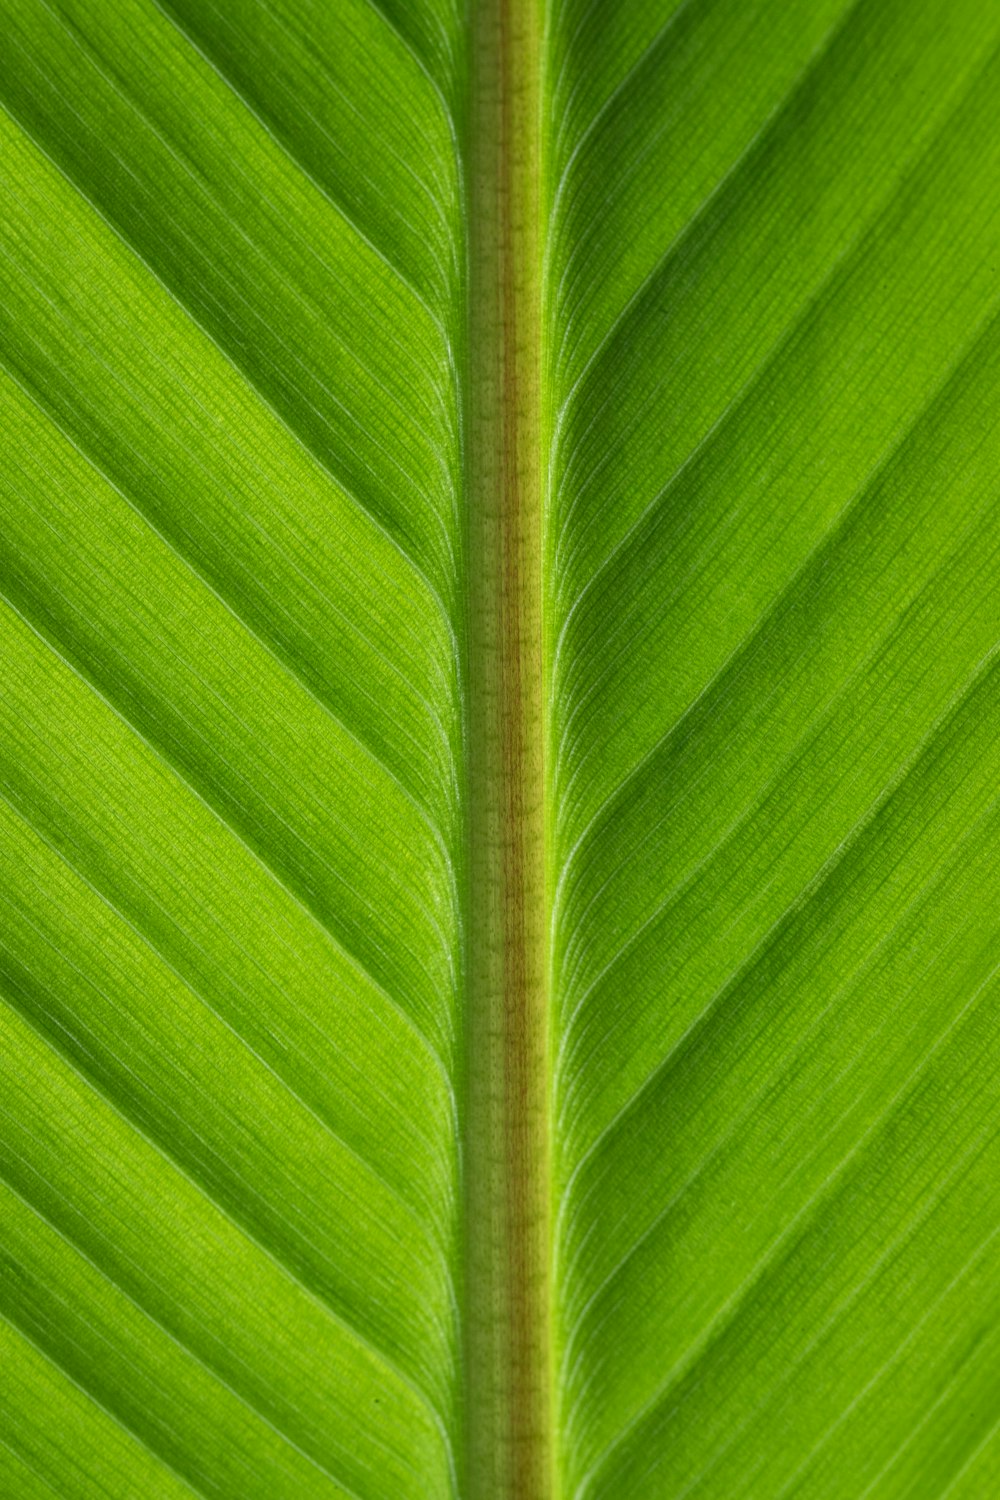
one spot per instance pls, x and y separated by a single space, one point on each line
498 488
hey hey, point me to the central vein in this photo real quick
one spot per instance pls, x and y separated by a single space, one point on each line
507 1313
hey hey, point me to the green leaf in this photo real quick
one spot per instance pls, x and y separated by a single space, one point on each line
499 749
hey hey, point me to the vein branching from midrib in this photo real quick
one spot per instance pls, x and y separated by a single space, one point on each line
289 420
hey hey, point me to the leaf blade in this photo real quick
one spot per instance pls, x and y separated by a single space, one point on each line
773 739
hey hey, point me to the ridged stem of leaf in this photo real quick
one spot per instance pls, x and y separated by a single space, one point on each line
508 1416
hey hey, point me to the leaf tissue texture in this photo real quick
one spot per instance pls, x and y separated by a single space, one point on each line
500 749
